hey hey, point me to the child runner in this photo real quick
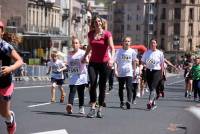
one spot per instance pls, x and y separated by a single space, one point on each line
77 76
124 68
56 67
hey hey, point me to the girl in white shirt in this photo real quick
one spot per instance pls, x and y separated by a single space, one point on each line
125 64
77 76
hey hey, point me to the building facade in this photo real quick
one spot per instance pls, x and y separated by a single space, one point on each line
127 18
44 24
178 25
174 23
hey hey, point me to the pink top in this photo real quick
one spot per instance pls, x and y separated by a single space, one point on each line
99 47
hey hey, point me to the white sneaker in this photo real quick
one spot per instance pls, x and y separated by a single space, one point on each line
82 110
138 95
146 90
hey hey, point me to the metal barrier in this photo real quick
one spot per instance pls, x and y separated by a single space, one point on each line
31 73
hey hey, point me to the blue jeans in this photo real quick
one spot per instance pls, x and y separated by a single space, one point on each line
196 87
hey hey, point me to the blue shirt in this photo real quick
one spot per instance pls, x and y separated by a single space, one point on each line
5 52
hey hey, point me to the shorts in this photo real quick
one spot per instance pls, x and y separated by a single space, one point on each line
6 93
57 81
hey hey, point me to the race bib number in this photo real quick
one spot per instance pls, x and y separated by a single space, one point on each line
150 62
75 66
75 70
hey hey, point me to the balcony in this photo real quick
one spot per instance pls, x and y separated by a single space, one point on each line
65 14
43 29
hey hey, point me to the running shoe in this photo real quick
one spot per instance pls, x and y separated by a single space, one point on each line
11 127
99 114
62 99
91 114
163 94
81 110
186 94
53 100
128 105
69 108
122 106
149 105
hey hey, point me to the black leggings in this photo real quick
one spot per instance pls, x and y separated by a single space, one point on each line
128 81
96 70
80 90
153 78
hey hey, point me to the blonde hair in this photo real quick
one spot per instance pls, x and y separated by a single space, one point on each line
104 22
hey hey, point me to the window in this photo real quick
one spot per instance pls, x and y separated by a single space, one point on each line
164 1
162 43
137 27
162 32
191 13
190 32
177 1
192 1
177 13
177 29
163 14
128 27
138 7
190 44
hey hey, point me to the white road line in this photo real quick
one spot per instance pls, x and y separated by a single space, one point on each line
175 82
18 88
41 104
195 111
61 131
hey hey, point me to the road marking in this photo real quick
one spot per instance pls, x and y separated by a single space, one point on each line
61 131
175 82
195 111
41 104
32 87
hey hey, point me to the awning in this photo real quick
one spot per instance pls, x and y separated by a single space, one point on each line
141 48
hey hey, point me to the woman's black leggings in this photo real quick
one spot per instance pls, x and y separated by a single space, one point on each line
153 78
96 70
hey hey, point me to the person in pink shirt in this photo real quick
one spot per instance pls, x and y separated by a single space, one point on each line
100 41
9 62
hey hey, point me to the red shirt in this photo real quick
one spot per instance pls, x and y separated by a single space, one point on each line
99 47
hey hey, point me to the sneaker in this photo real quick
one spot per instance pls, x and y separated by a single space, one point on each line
69 108
81 110
122 106
154 106
62 98
186 94
162 94
128 105
53 100
11 127
138 95
104 104
149 106
91 114
99 114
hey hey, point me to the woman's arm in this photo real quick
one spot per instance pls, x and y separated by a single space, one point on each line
18 63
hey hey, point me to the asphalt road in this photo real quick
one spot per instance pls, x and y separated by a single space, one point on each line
35 114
